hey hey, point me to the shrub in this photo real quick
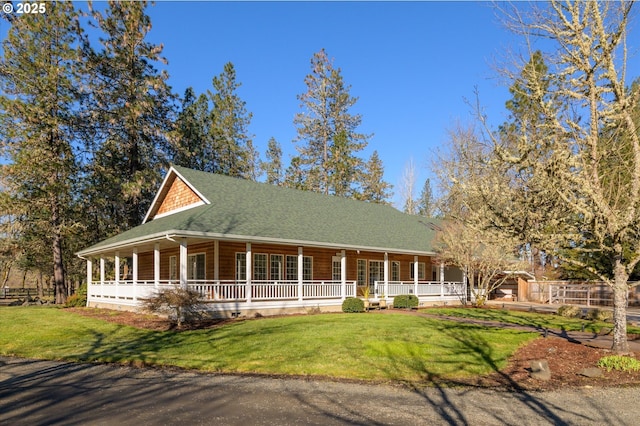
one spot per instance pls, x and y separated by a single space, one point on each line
620 363
407 301
79 299
353 305
182 305
599 315
569 311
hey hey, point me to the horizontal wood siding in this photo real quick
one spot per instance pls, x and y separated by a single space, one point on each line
322 260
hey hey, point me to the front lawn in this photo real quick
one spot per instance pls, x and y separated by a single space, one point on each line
540 320
391 347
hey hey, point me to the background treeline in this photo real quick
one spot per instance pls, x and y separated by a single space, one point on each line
89 125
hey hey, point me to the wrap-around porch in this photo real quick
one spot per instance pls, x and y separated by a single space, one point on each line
235 278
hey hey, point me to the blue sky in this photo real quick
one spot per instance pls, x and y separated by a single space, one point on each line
411 64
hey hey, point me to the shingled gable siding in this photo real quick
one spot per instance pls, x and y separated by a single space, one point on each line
178 196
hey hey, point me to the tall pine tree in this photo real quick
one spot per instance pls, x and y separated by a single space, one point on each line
191 145
39 81
233 151
272 167
326 116
132 111
373 186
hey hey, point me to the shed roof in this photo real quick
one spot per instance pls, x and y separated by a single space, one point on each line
239 209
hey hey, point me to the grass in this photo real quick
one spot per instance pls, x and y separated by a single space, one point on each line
352 346
541 320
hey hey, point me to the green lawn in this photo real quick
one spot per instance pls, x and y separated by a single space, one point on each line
542 320
358 346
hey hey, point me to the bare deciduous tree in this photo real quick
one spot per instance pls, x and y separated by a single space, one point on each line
487 258
568 177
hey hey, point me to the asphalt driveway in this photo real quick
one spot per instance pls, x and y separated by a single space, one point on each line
56 393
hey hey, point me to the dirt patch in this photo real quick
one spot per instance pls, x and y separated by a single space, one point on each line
566 359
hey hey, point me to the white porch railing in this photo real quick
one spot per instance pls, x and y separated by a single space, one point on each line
428 289
307 293
226 291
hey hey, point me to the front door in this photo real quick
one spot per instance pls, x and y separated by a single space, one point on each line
376 273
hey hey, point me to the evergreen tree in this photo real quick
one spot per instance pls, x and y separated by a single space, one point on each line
294 176
273 166
233 152
39 81
326 103
373 186
132 111
192 146
425 202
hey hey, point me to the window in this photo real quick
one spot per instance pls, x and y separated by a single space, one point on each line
307 268
260 267
277 267
395 271
421 271
434 275
173 268
196 266
241 266
336 269
292 268
362 272
376 271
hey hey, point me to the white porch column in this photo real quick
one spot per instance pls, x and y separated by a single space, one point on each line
134 266
134 272
386 274
300 273
415 275
156 265
216 260
442 280
101 270
464 283
248 272
117 267
183 263
89 277
343 273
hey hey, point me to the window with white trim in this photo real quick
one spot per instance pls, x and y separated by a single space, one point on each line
196 266
307 268
336 268
260 267
173 268
292 268
362 272
241 266
395 271
277 267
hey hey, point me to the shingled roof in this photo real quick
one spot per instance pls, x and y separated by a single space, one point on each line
237 209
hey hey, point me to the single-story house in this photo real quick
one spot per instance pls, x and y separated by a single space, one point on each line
250 248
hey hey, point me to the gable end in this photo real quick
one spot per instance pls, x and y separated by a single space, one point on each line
178 198
176 194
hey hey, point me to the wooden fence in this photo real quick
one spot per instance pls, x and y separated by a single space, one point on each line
586 293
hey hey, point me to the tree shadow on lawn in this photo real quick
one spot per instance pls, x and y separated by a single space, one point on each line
470 341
